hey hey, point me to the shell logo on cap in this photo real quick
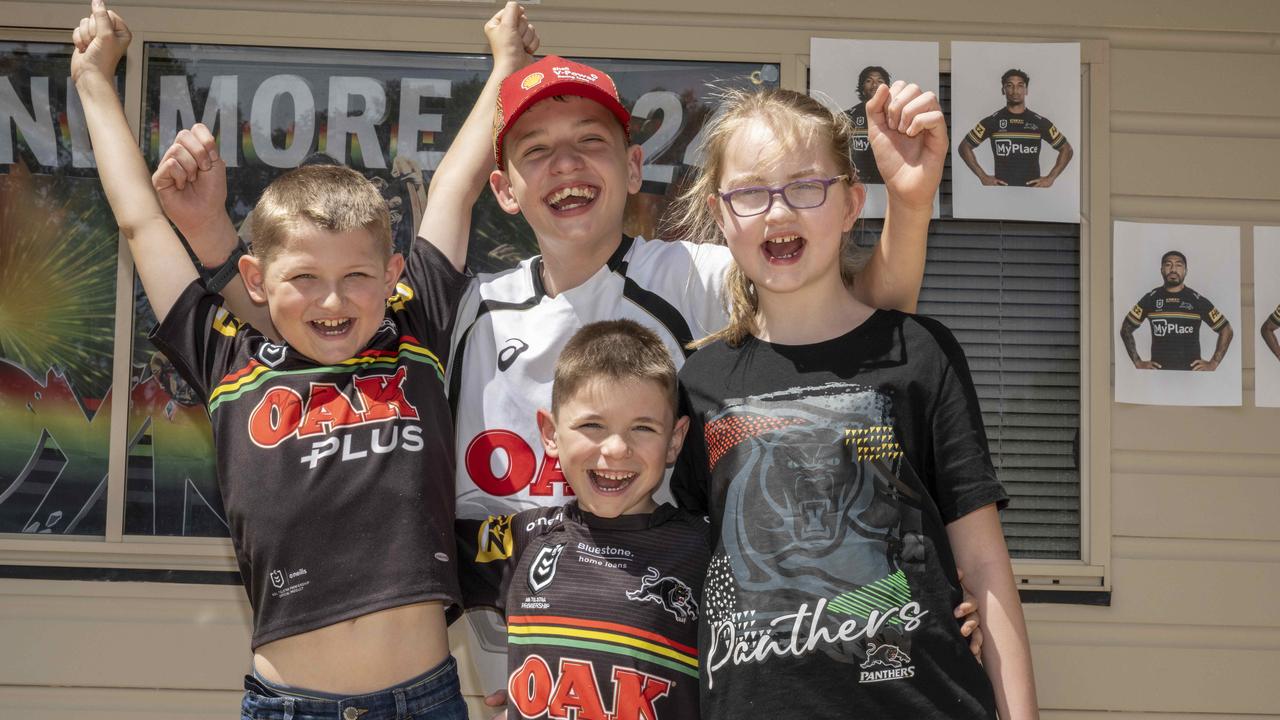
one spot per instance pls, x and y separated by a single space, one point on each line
532 81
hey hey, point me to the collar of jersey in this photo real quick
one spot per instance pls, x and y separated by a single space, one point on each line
637 521
616 263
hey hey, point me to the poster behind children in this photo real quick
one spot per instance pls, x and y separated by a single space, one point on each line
1266 314
1015 131
844 74
1176 301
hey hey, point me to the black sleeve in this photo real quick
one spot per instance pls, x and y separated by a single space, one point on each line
200 337
691 476
1140 311
487 554
1210 314
979 133
962 478
427 296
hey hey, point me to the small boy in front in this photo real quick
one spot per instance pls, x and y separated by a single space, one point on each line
602 595
334 450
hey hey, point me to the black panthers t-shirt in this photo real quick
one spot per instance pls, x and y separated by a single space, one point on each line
833 471
602 613
1175 319
337 479
863 159
1015 143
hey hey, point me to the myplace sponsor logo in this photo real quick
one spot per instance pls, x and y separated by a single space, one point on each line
1161 328
1009 148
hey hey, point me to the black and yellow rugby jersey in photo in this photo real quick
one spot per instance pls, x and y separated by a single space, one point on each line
863 159
337 479
1015 143
602 613
1175 319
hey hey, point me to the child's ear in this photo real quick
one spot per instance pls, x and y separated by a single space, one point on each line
678 432
395 268
857 198
500 184
252 272
547 430
635 169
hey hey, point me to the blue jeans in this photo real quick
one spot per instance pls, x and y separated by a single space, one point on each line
433 695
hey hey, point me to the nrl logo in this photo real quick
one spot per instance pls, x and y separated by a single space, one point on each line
277 578
271 354
543 568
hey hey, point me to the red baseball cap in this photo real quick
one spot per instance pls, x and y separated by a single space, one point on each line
549 77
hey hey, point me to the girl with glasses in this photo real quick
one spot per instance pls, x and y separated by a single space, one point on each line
838 449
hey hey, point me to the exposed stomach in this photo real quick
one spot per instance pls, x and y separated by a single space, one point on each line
362 655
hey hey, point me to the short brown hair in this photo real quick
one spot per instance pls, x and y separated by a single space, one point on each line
330 197
615 350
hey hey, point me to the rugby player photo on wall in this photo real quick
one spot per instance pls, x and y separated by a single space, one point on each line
1177 292
1266 314
844 75
1015 108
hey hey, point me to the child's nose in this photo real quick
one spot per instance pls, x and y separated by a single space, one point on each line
615 446
565 157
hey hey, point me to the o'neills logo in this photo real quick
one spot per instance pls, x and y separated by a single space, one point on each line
283 412
531 81
565 73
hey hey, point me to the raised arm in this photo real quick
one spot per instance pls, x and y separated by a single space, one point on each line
909 139
191 182
464 171
162 263
980 549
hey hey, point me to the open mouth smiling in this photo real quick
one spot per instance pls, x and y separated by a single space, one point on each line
610 482
331 327
572 197
783 247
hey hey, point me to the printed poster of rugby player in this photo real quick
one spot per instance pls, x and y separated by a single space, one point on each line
844 74
1176 314
1266 314
1015 121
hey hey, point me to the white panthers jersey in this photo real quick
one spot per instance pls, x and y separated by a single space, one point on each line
509 334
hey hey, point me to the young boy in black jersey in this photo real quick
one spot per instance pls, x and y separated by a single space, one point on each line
333 446
602 595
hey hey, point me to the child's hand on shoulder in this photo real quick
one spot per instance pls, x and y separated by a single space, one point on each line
909 139
100 41
512 38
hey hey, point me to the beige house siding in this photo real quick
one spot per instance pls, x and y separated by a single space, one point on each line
1182 124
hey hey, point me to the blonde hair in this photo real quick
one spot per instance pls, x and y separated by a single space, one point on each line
330 197
617 350
795 119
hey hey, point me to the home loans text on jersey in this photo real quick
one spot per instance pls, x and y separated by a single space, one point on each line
573 693
283 413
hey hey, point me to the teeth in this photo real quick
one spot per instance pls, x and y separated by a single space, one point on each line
607 475
576 191
783 239
331 323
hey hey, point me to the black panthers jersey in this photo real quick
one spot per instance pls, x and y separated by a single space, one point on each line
602 613
863 159
1175 324
1015 142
